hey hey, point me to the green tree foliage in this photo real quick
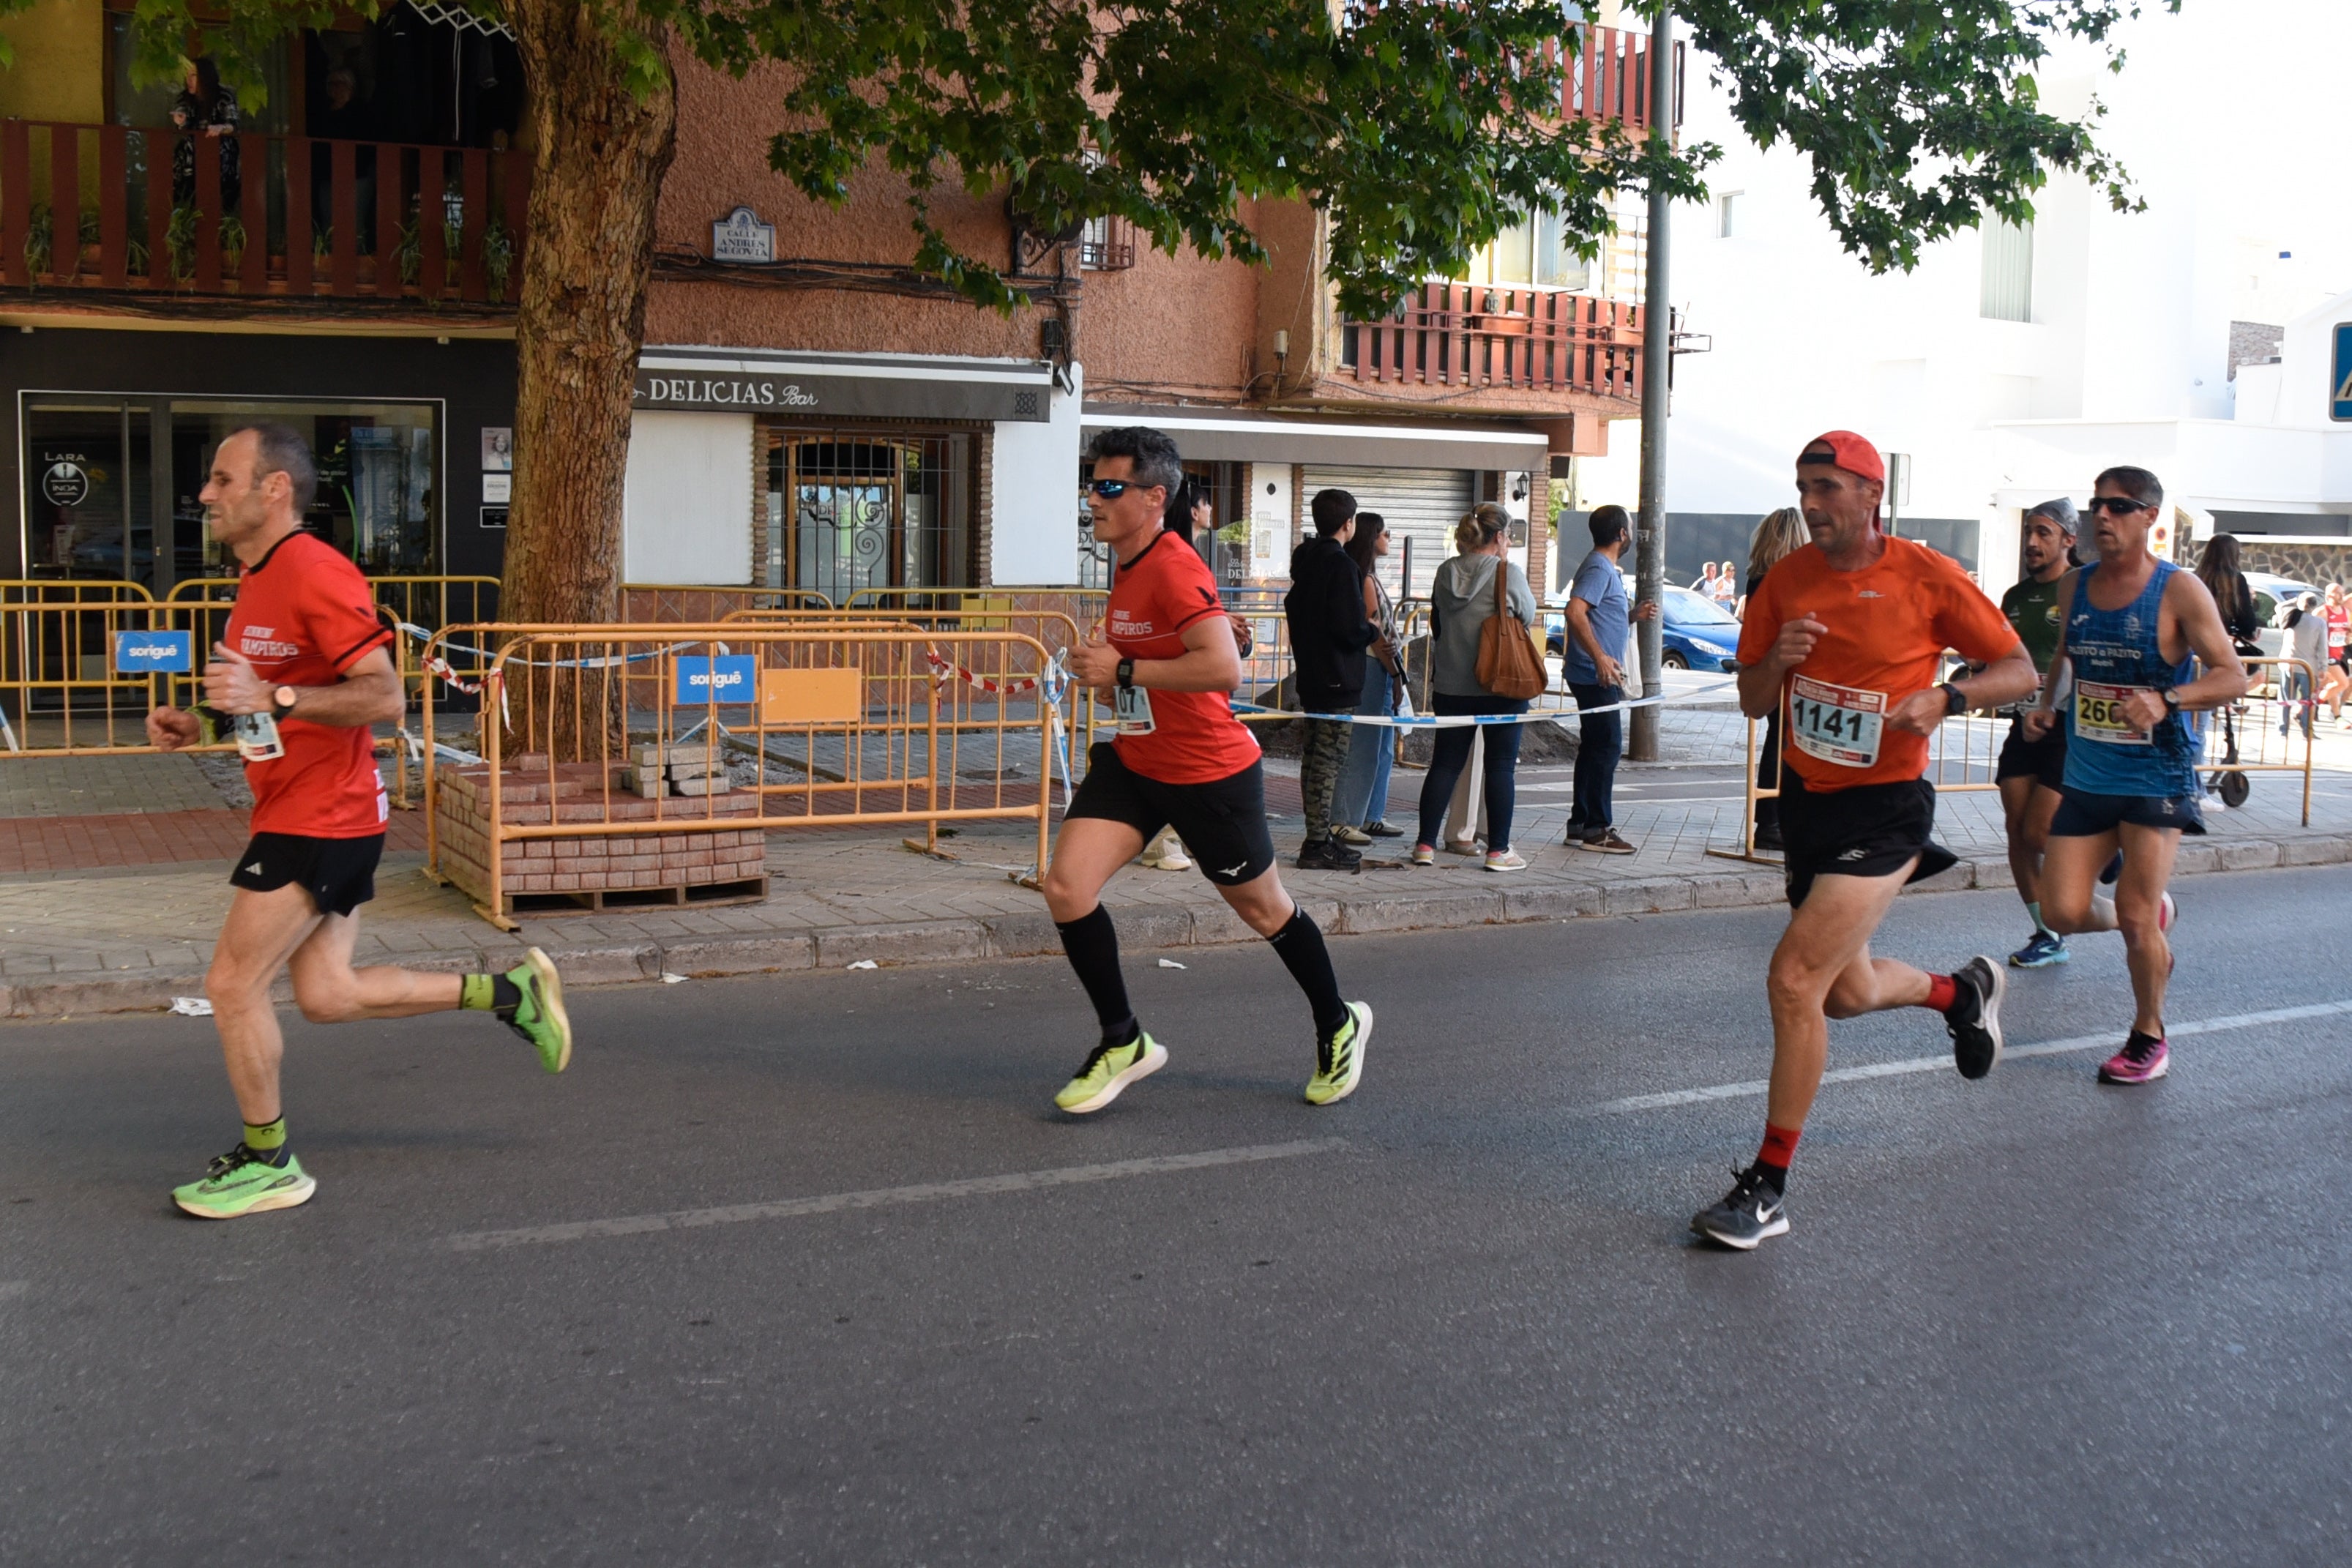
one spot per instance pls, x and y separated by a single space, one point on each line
1423 127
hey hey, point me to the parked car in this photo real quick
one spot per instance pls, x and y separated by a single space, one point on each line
1699 634
2272 594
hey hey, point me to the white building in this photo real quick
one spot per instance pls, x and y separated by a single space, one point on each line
2013 364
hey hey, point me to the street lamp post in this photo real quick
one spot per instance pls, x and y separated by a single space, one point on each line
1657 366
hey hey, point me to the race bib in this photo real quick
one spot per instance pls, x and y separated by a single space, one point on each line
1840 724
2099 714
256 738
1132 707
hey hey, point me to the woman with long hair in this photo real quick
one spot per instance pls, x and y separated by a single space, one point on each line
1777 536
2221 571
1359 809
1461 597
206 108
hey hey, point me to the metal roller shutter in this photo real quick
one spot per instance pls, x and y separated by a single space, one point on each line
1419 504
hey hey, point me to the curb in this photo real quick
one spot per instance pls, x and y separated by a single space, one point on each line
1141 927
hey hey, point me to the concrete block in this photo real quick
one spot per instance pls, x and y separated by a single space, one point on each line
701 956
697 786
1649 895
909 942
100 993
2196 856
2247 854
1033 935
1217 923
607 965
1957 879
1738 891
2330 851
1153 925
1574 900
1995 874
1415 911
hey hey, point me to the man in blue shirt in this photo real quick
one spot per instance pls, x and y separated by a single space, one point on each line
1599 618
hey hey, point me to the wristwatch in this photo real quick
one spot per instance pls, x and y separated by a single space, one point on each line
281 701
1956 701
1127 672
2171 701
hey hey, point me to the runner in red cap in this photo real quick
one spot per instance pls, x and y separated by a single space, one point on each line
1848 632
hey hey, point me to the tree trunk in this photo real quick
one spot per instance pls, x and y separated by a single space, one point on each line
601 151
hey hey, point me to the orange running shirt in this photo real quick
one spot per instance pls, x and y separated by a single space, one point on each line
1195 739
1888 628
304 616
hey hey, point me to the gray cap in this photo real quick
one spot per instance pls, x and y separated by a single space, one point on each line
2059 511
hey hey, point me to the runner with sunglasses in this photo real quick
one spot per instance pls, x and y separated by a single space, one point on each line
2135 626
1166 657
1849 632
2032 769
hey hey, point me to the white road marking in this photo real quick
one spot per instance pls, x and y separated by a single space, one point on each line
2108 1041
889 1197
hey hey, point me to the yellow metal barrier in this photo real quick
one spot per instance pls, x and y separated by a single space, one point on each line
706 605
1971 761
59 694
624 780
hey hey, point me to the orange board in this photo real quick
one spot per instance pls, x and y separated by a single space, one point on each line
812 696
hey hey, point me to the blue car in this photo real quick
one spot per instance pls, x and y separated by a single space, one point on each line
1699 634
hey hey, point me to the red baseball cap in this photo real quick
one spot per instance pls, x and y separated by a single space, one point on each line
1849 452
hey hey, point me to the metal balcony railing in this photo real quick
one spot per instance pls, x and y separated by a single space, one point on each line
248 216
1470 336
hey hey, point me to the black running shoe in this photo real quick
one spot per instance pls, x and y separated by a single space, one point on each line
1329 854
1974 1016
1751 1211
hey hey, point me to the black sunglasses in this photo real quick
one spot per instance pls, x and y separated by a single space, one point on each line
2115 506
1111 490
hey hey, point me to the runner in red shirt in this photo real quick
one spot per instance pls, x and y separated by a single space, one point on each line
301 672
1848 632
1180 759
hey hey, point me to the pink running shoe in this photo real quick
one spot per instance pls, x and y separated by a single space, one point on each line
2143 1059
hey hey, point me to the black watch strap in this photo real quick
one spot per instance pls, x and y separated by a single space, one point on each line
1127 672
1956 701
2171 696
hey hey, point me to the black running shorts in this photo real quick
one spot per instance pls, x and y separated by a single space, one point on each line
1222 822
1870 830
2082 815
2042 761
340 873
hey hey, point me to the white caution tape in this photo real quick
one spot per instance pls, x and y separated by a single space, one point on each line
1460 721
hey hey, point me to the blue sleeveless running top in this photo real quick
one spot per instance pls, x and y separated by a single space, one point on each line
2113 652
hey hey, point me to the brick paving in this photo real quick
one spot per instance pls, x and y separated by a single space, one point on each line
112 933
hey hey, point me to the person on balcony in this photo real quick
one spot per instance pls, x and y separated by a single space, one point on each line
206 108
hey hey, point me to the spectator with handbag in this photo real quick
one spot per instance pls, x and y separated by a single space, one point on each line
1480 607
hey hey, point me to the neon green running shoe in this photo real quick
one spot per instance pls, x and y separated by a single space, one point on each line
1110 1069
1341 1059
241 1183
539 1017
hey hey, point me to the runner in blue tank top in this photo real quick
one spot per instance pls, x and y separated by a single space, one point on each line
2135 629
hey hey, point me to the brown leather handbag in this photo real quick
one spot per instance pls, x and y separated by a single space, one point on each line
1508 664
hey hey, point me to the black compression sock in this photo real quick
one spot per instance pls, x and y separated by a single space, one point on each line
1300 943
1774 1176
1092 943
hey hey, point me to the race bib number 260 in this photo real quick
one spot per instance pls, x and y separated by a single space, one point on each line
1840 724
2099 714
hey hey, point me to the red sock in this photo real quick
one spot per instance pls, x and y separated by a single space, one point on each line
1941 992
1779 1146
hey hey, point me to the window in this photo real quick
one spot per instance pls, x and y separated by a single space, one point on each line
1730 214
2007 293
1106 244
1535 249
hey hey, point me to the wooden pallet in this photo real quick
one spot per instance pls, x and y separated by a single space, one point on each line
745 890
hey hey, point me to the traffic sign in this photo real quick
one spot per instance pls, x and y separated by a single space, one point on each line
2339 377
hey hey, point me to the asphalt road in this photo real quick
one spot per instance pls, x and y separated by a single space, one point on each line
2026 1320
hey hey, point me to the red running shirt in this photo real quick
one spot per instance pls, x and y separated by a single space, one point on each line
1195 738
304 616
1888 628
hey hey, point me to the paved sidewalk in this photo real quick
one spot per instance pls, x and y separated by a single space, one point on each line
132 937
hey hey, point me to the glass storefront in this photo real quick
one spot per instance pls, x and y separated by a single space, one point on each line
93 468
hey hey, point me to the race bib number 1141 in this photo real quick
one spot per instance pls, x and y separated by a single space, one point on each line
1840 724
